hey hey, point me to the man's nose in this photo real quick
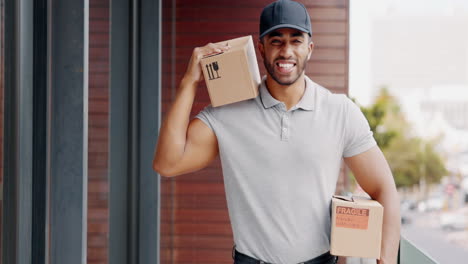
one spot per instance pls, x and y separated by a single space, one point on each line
286 51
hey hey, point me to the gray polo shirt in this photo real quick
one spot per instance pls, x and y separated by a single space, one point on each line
281 166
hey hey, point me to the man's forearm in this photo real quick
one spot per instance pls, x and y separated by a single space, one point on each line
173 133
391 226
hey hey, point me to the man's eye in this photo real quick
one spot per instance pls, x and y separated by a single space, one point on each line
297 41
275 41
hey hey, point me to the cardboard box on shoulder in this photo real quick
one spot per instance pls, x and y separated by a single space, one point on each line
356 227
233 75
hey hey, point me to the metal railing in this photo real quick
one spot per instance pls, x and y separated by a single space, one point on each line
410 254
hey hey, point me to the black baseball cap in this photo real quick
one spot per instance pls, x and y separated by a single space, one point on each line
284 14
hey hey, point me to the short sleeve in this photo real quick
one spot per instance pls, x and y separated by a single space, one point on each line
207 116
358 135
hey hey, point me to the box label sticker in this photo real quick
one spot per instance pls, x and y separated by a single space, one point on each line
349 217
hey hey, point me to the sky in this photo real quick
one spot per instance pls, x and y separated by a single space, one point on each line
361 14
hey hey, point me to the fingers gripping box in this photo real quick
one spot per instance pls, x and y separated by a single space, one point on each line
233 75
356 227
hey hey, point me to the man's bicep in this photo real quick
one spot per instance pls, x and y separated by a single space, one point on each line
371 170
200 149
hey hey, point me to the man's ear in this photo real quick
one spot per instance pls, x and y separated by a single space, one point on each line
261 48
311 49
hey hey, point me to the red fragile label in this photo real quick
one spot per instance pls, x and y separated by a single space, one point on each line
349 217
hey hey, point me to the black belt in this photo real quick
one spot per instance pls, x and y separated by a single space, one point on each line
325 258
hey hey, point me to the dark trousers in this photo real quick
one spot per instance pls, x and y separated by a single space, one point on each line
240 258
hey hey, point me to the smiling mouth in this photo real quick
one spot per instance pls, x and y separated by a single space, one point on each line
285 67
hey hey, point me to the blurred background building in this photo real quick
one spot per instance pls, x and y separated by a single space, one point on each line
417 50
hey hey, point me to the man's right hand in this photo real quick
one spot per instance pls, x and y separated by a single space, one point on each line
183 145
194 72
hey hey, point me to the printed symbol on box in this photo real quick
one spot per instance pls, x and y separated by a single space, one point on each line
349 217
211 68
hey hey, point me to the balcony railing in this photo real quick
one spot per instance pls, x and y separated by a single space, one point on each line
410 254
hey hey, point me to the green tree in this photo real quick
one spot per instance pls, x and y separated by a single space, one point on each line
376 114
410 158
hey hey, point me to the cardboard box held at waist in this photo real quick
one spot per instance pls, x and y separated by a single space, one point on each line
233 75
356 227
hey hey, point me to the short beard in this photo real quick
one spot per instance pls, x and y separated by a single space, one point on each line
271 70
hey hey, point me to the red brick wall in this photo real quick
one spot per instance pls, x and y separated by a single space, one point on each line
98 186
194 220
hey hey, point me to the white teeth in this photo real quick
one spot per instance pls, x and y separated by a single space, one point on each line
285 65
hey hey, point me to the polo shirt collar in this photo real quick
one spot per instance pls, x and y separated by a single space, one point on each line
267 100
306 102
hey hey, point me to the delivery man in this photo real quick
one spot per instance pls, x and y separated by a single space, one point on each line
281 151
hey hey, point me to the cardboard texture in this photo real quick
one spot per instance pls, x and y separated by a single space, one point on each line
232 76
356 227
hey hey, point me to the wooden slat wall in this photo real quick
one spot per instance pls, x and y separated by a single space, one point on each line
98 186
194 219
